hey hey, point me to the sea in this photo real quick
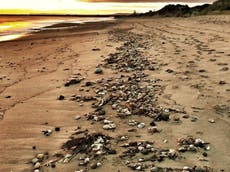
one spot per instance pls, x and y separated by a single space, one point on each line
14 27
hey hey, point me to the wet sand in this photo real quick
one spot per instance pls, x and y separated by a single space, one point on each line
191 57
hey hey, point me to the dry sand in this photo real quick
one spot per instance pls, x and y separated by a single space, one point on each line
33 72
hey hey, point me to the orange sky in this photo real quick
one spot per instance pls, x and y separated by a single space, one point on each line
80 7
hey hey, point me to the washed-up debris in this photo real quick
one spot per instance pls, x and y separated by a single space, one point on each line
38 160
191 144
90 144
79 98
222 109
132 95
147 152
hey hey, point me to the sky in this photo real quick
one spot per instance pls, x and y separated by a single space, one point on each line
87 6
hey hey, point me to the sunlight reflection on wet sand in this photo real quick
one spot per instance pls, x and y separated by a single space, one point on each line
11 37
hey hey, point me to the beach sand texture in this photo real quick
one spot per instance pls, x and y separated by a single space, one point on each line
190 56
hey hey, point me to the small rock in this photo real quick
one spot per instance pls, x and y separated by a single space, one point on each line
186 116
98 71
205 154
165 141
186 168
211 120
36 170
93 166
77 117
40 156
47 132
154 169
141 125
53 165
34 160
37 165
57 129
153 130
202 70
61 97
88 83
72 82
169 71
224 69
152 123
193 119
176 118
86 161
138 168
192 148
99 164
110 126
222 82
96 49
182 149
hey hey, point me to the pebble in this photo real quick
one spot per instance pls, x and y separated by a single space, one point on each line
132 122
73 82
165 141
186 116
40 156
194 119
36 170
110 126
98 71
141 125
34 160
211 120
154 169
205 154
192 148
95 165
222 82
61 97
176 118
153 130
152 123
57 129
47 132
186 168
77 117
37 165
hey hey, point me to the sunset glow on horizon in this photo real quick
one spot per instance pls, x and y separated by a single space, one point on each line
80 7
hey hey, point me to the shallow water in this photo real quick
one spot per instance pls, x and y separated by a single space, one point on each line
14 27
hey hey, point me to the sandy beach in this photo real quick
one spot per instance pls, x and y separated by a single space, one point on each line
175 68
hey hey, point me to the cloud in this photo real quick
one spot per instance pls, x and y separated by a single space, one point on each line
162 1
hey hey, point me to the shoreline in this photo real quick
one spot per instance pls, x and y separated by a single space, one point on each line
61 26
158 89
